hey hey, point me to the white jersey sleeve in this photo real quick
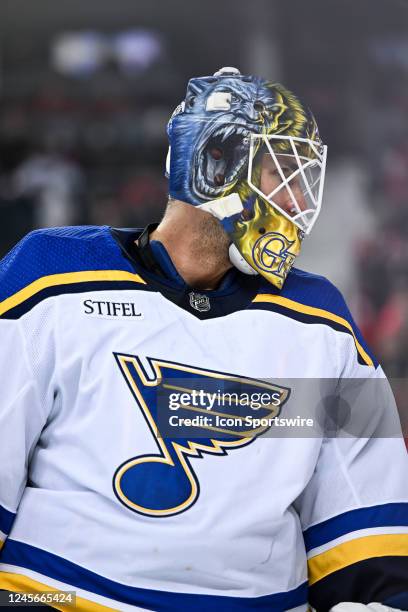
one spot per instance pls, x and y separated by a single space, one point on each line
27 363
353 511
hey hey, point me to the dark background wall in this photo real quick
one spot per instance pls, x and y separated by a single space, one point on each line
90 148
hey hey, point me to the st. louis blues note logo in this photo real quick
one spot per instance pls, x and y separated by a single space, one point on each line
165 483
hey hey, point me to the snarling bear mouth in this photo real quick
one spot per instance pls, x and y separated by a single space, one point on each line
220 160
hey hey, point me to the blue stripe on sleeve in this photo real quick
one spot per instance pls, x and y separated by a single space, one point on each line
6 520
386 515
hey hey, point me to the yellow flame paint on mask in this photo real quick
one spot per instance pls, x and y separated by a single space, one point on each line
272 251
268 242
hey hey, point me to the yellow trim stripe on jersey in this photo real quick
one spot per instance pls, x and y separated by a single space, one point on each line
67 278
316 312
1 544
353 551
22 584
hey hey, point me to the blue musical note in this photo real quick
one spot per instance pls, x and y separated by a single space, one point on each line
165 484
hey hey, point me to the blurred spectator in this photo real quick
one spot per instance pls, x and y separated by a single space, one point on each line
395 177
391 335
55 184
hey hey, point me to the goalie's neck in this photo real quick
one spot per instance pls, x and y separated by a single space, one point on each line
195 243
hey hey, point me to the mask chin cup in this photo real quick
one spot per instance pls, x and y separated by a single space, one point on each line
239 262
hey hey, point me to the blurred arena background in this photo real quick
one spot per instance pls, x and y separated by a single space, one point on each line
86 89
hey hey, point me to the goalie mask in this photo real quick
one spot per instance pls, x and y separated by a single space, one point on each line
247 151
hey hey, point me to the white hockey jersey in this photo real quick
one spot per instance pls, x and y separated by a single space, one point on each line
102 493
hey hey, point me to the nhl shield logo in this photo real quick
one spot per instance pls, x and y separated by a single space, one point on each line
199 302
